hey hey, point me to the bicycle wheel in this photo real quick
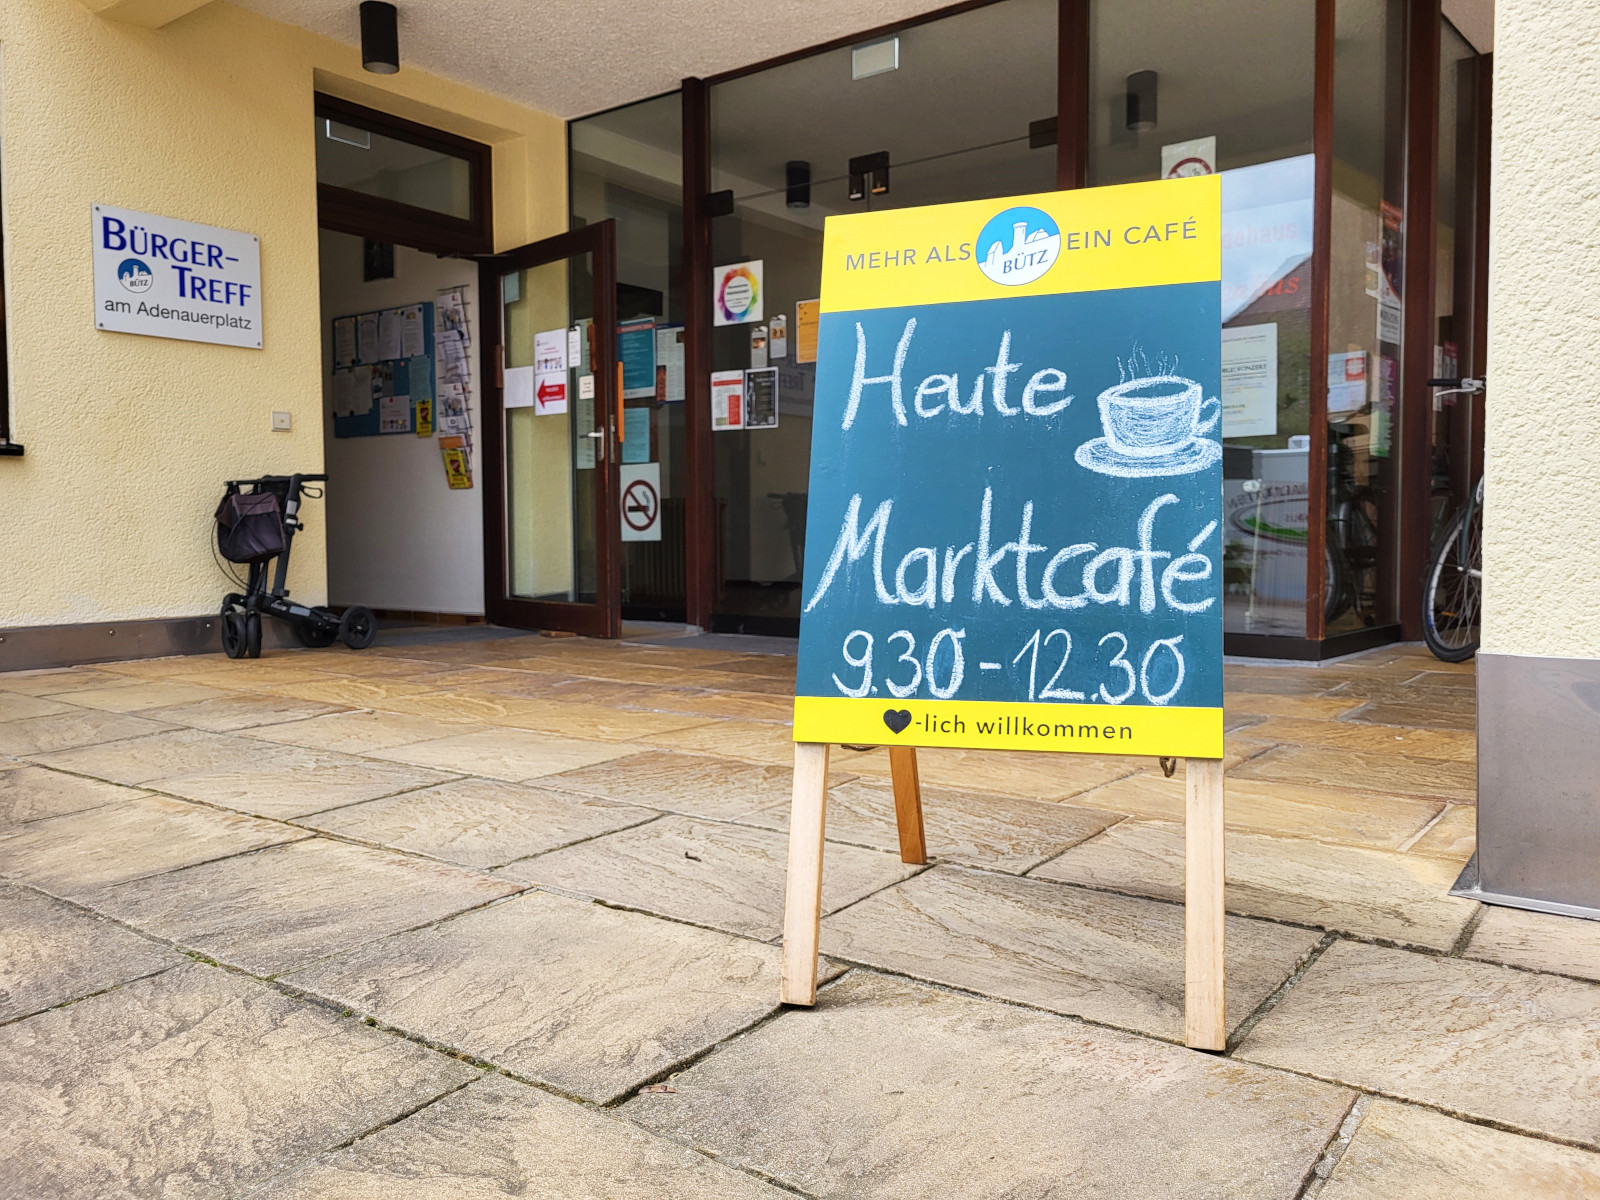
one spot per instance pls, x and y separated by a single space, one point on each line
1452 599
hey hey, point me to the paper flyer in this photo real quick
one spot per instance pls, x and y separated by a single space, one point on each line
1250 380
807 314
778 337
727 400
394 414
517 391
669 363
550 351
457 462
736 293
761 399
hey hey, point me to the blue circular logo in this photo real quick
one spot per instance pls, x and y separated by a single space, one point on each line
1018 246
135 275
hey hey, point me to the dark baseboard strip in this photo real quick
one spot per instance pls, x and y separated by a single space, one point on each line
38 647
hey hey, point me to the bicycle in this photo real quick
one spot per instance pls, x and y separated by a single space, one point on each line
1452 593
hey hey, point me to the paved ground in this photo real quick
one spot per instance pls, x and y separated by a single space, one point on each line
499 917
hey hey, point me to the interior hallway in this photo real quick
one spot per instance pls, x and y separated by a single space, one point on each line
473 914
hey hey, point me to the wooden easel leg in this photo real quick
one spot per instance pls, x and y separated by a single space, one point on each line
907 803
1205 1025
802 905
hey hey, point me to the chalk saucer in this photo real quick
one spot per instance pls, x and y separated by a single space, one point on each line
1194 455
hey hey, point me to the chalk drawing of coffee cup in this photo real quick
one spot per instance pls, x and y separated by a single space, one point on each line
1154 425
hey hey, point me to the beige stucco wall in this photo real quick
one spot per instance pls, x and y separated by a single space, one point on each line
129 439
1542 516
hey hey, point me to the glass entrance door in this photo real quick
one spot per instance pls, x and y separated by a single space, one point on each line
551 438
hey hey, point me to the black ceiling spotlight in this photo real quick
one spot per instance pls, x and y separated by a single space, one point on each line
380 37
797 183
1141 101
869 172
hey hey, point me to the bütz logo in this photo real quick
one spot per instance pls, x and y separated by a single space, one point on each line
134 275
1018 246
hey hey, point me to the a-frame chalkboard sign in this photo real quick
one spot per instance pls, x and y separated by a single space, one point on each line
1014 539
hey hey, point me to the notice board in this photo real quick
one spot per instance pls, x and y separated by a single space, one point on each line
1014 535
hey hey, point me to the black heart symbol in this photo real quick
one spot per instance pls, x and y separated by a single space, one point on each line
897 719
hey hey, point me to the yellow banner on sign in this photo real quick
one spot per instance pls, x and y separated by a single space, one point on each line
1133 235
1006 725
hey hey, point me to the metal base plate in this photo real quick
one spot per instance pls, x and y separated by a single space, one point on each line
1467 887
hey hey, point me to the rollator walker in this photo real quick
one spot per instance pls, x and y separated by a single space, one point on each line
254 527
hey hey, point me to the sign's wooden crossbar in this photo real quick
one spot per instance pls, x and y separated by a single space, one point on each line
1205 1020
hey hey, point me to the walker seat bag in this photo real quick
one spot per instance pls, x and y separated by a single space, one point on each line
250 526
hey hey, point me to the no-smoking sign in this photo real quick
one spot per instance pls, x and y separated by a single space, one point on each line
641 502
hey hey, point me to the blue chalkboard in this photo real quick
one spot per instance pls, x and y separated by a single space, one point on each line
1014 533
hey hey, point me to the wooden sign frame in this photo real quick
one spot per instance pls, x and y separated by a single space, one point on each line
1204 1011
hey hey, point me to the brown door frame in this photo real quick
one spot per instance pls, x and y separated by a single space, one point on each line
604 617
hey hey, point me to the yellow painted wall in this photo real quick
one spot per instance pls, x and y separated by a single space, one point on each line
208 119
1542 446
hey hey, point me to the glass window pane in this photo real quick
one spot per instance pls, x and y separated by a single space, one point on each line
1196 93
375 164
551 549
1366 295
950 133
627 165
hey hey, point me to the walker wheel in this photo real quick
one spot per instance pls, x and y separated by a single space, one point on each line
252 634
315 635
358 628
232 633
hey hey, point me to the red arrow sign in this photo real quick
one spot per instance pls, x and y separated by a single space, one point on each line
549 391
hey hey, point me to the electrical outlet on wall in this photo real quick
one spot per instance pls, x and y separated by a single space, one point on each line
282 422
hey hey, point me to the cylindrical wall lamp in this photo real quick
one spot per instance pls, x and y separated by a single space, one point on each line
380 37
1142 101
797 183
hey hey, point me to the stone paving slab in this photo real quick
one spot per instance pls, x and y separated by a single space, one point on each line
479 822
1447 744
1481 1040
194 1083
1113 959
1354 817
134 696
587 999
30 793
288 905
889 1090
729 877
227 713
697 785
1373 893
51 952
498 1137
16 706
361 732
1011 772
1455 836
296 782
1401 774
59 682
77 727
1405 1153
1272 704
753 741
144 760
77 854
592 722
509 754
1006 833
1538 941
